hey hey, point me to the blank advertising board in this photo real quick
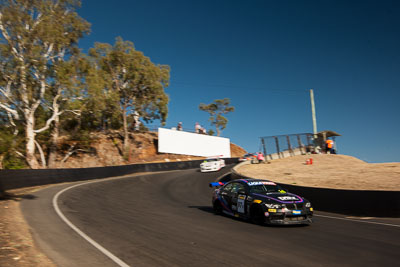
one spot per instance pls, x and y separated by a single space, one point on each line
186 143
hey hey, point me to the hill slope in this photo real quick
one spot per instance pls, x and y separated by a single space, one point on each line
106 150
328 171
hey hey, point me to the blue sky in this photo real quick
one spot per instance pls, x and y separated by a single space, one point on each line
266 56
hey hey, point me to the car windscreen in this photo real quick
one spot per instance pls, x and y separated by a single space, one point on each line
210 160
265 188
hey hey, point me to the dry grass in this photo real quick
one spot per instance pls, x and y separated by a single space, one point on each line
16 245
328 171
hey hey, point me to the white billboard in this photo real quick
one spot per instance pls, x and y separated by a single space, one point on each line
186 143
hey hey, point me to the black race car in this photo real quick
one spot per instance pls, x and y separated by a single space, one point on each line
261 201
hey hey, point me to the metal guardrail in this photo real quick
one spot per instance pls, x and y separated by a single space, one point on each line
281 146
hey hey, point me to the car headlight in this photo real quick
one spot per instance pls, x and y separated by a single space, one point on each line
308 205
273 206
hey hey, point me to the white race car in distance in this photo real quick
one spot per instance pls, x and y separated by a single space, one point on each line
212 164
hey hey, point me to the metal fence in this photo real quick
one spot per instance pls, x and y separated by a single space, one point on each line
281 146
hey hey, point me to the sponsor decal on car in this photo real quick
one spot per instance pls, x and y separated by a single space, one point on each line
272 206
257 201
272 210
260 183
288 198
240 205
297 212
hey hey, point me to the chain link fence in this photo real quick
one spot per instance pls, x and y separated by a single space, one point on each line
282 146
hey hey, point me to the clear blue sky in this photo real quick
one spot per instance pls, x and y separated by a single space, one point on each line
265 56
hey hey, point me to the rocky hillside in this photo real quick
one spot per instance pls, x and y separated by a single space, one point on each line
106 150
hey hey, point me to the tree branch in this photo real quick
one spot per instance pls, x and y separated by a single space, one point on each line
10 110
42 158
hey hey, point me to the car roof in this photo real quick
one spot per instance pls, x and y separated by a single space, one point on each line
249 180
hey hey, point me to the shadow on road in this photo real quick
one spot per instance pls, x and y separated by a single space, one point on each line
16 197
209 209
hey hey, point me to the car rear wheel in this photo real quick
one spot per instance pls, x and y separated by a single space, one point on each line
217 207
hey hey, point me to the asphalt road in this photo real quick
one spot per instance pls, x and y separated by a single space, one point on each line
165 219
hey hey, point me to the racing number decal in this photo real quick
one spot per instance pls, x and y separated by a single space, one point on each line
240 203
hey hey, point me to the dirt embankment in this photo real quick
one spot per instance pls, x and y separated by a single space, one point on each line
106 150
328 171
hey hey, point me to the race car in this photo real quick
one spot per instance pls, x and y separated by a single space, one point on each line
248 156
212 164
260 201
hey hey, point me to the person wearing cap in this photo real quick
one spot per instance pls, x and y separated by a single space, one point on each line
179 127
329 146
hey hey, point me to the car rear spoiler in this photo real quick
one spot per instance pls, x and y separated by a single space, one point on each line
216 184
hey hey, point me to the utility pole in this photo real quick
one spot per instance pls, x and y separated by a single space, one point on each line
314 118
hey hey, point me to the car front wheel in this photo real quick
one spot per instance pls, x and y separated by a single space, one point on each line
217 208
257 215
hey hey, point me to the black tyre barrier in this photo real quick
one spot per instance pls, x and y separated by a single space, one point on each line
12 179
371 203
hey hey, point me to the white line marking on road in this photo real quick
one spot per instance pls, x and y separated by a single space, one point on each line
82 234
346 219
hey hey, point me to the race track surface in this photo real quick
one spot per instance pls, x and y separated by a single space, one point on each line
165 219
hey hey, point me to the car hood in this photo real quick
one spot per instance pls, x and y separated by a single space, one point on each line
279 197
209 163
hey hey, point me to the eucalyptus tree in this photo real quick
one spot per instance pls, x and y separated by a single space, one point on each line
216 110
138 83
37 38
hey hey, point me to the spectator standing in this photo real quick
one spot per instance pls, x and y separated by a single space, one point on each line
197 127
329 146
179 127
260 157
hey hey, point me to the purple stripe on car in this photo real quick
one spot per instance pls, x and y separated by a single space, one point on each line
285 202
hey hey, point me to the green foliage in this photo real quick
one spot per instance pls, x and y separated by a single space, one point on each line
131 80
9 143
211 132
5 141
38 55
216 109
13 162
44 74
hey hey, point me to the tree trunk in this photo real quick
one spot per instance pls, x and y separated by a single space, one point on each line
126 134
53 146
30 142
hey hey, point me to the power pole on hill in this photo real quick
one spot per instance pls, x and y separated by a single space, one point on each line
314 118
